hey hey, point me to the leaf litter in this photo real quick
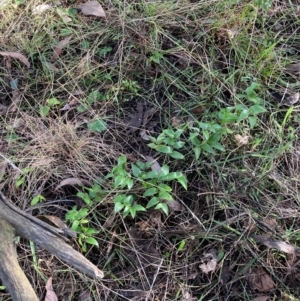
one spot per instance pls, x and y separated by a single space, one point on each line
261 281
59 47
16 55
50 294
209 261
92 8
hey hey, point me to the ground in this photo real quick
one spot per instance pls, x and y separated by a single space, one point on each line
82 91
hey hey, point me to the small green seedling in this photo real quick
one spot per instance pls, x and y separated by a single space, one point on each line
153 182
168 142
79 219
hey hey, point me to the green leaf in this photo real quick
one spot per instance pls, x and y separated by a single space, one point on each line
164 170
169 132
118 207
92 241
120 181
150 192
164 149
44 110
20 182
91 231
128 183
153 201
178 144
122 160
218 146
82 108
183 181
151 175
2 287
75 224
197 151
164 207
164 195
138 207
165 187
85 44
152 145
178 133
181 245
171 176
82 213
135 170
243 115
132 212
53 101
257 109
252 121
97 125
177 155
94 96
206 134
37 199
208 148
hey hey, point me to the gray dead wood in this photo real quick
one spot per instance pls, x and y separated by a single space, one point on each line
43 235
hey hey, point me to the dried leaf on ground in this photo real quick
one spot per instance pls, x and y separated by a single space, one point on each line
148 114
209 261
261 298
290 100
293 68
39 9
16 55
155 165
59 47
144 135
136 119
92 8
241 140
261 281
275 244
176 121
69 181
50 294
176 206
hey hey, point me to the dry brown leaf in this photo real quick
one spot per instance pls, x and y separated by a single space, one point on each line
275 244
92 8
176 121
261 298
69 181
293 68
272 222
176 206
261 281
39 9
144 135
50 294
16 55
241 140
155 165
59 47
136 119
209 261
291 100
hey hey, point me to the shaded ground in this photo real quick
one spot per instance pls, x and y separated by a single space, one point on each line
146 67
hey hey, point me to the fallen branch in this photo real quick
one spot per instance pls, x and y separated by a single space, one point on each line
44 235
